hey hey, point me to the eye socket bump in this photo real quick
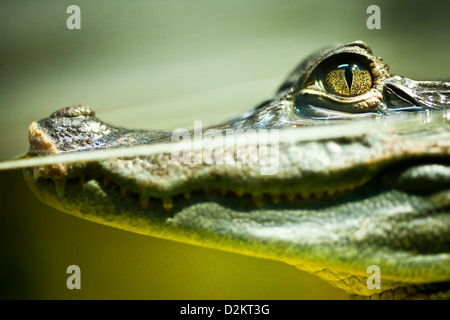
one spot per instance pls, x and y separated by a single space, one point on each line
347 79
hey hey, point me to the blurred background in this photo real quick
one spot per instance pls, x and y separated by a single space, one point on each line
162 65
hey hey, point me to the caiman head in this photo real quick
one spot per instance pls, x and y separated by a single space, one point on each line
290 180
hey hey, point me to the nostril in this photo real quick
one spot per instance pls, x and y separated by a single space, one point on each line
79 110
40 141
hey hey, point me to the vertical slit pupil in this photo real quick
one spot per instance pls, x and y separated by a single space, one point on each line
347 79
349 76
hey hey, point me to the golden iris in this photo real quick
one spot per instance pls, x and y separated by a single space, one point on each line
348 80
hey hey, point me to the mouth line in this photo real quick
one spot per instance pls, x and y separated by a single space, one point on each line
92 180
169 203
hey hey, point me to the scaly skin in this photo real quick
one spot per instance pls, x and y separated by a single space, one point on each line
339 198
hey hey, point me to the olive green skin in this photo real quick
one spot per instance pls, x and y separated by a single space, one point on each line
342 199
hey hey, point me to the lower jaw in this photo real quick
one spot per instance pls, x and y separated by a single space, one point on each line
237 225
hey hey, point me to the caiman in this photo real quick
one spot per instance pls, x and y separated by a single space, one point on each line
345 169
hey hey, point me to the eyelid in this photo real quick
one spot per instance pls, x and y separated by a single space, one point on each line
318 113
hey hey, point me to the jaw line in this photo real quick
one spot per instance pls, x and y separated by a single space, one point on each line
286 231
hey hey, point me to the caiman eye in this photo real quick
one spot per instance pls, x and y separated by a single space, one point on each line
347 79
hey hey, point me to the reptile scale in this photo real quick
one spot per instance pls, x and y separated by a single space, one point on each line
362 177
